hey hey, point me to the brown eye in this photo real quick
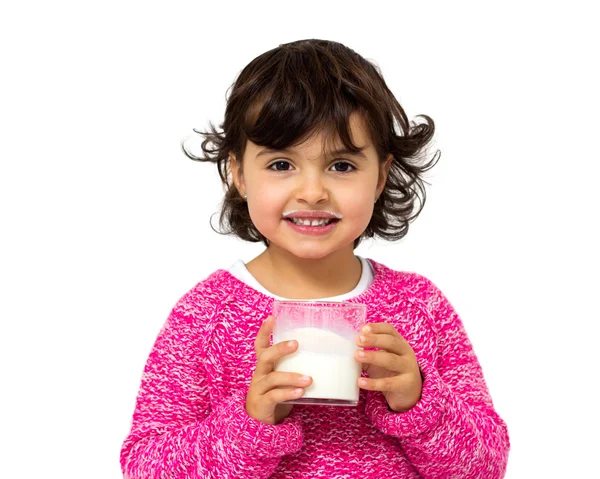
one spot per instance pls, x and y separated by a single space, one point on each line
344 167
279 166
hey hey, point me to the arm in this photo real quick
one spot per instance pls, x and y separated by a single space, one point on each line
453 431
184 428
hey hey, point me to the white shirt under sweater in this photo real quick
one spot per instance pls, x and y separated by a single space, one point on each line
239 270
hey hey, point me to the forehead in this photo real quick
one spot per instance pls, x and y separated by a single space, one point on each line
322 142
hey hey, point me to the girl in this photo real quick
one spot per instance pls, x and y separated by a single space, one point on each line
313 162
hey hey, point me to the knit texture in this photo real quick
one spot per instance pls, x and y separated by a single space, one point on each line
190 419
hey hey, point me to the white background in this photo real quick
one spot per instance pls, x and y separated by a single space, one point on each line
105 223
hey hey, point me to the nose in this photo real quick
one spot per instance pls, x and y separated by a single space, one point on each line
312 189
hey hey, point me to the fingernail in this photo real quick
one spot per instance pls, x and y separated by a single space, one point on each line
362 354
366 329
291 344
362 382
297 392
362 339
305 378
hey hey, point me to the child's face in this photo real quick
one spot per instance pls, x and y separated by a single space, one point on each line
303 179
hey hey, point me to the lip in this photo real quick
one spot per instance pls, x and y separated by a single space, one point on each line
312 230
311 214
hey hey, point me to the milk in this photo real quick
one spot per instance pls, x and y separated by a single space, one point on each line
328 358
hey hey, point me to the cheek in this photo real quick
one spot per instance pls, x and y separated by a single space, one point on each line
266 207
263 210
357 202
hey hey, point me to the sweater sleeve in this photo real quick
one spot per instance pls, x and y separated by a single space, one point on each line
453 431
184 426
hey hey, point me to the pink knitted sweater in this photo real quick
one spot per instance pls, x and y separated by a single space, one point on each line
190 420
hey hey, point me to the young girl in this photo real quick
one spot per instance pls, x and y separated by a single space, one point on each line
315 154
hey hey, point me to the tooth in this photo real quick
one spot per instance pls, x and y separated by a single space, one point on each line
316 223
306 222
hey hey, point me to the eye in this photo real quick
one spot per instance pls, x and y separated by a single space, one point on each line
282 165
279 165
343 167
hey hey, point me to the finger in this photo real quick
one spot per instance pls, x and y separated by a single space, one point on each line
388 342
279 395
266 361
390 361
277 379
263 337
392 383
380 328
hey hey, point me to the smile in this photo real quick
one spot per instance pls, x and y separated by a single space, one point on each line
309 222
312 227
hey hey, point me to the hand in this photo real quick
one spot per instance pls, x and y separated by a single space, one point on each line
393 369
269 388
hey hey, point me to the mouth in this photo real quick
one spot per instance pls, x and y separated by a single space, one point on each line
314 222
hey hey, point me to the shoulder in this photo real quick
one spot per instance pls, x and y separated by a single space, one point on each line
219 298
408 284
199 306
208 293
415 291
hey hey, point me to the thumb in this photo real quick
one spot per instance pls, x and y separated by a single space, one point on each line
264 334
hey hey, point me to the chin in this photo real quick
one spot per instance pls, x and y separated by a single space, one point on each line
310 255
314 251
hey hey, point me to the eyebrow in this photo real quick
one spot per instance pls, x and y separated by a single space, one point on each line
344 151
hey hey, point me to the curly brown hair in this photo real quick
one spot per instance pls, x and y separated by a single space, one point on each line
290 92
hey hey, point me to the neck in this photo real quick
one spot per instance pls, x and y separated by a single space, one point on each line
288 276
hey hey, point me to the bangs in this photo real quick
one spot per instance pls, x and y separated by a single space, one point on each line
299 103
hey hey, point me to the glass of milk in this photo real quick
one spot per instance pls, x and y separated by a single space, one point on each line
326 334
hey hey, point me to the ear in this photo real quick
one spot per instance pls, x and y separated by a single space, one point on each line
384 168
237 174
